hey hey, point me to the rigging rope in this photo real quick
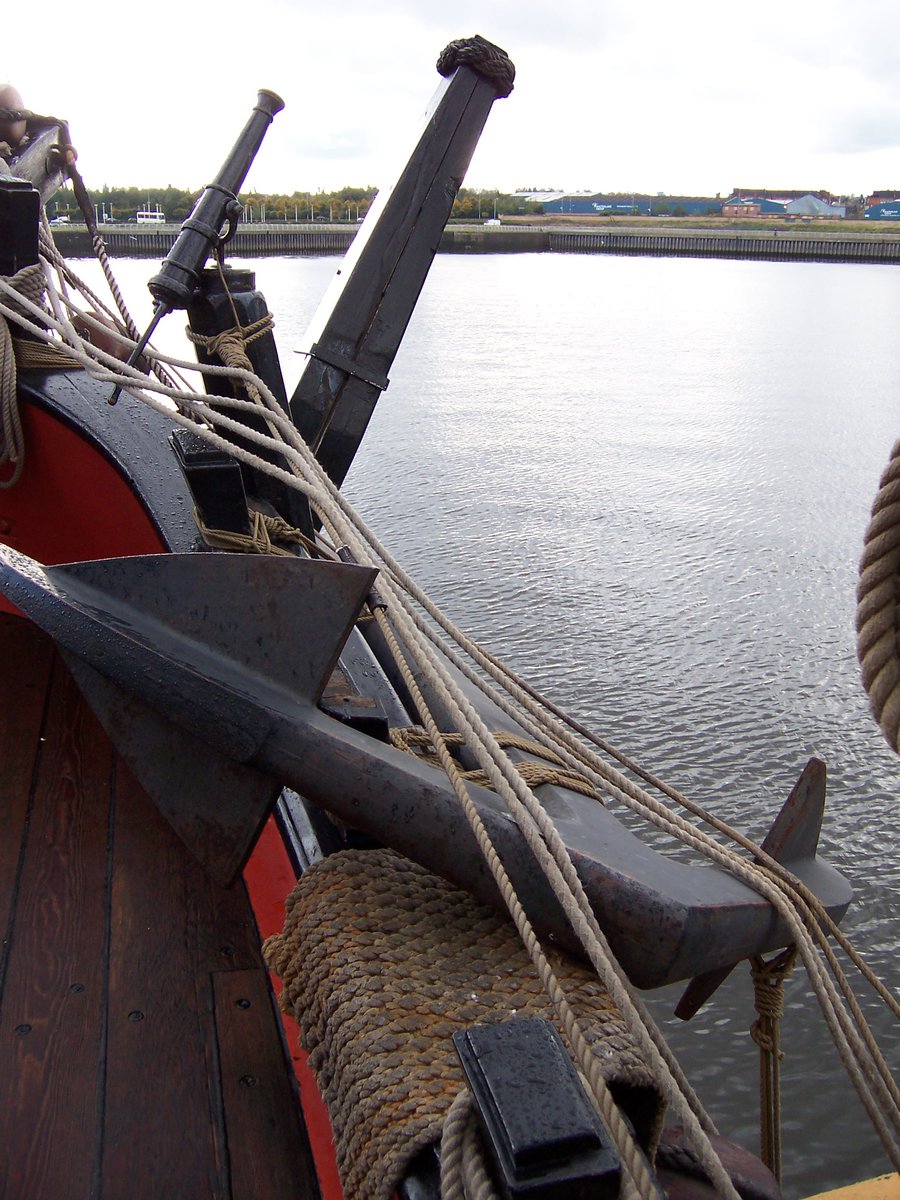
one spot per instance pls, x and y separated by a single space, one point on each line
28 283
411 635
463 1176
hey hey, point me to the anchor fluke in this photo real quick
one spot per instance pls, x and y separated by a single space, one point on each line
794 836
175 652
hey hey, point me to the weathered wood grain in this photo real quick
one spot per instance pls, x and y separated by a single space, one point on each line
122 1045
53 1001
269 1152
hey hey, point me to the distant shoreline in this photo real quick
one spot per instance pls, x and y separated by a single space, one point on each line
673 237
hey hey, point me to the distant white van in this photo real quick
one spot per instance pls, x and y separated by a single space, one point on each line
146 217
493 221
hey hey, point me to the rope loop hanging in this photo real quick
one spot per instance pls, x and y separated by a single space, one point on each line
769 977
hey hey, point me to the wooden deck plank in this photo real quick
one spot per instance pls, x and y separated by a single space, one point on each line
260 1106
27 656
53 1001
121 954
160 1050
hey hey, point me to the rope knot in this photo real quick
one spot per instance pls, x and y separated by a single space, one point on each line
768 995
230 346
265 531
416 741
482 56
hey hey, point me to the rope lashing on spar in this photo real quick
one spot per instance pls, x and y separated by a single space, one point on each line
483 57
769 977
230 347
550 770
265 532
878 603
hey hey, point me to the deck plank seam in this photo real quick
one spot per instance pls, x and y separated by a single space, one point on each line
103 1041
26 826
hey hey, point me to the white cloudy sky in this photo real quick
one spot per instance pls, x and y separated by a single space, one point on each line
696 97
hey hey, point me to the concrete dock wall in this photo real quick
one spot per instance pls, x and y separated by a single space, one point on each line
257 241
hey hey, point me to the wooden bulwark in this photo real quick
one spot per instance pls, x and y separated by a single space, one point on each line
140 1051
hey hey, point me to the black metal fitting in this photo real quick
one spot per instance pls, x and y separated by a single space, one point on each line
20 210
215 481
548 1142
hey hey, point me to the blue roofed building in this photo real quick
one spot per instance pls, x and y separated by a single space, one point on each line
623 204
883 206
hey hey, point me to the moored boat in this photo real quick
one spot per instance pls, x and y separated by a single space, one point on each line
222 648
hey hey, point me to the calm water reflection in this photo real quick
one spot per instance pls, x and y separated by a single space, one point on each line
645 482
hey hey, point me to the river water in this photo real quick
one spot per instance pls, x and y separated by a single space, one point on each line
645 483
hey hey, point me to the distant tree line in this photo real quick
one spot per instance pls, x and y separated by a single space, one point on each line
121 204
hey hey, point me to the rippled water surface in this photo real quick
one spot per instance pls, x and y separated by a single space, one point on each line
645 482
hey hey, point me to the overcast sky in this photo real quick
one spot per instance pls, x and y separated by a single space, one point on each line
693 97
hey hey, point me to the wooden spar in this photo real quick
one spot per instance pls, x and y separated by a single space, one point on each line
354 336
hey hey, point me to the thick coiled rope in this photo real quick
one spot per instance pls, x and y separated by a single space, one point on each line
878 604
482 56
382 962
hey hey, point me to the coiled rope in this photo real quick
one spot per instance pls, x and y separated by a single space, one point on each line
462 1162
878 604
482 56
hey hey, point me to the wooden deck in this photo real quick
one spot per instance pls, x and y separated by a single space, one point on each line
140 1053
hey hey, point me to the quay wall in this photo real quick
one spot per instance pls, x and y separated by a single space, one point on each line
773 246
258 241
